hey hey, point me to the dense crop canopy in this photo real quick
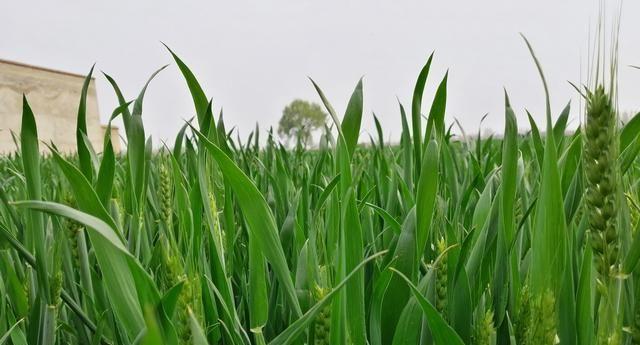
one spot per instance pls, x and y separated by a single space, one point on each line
441 239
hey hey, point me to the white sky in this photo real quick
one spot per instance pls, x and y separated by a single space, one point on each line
253 57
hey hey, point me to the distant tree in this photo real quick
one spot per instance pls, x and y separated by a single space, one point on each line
299 120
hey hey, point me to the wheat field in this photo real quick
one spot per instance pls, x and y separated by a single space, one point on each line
530 237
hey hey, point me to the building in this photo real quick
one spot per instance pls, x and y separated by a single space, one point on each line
54 97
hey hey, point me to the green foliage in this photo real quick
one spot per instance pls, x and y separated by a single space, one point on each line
300 119
437 240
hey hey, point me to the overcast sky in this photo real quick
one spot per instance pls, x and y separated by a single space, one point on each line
253 57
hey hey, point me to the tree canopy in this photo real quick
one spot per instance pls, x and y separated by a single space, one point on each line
299 119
